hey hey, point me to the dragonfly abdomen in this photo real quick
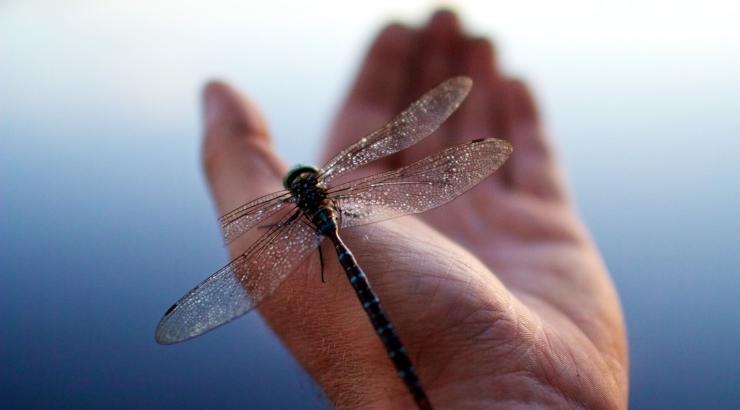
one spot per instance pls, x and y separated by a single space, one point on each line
382 325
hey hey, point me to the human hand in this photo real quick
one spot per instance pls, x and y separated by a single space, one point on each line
500 297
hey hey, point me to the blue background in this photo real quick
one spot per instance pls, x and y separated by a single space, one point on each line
105 218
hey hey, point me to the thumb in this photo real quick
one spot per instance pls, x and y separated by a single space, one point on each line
238 158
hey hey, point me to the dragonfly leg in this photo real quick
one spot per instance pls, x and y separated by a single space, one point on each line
321 262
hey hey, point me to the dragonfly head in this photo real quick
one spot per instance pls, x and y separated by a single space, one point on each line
297 172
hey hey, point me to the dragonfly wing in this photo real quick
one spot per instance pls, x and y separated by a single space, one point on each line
420 119
423 185
245 217
241 285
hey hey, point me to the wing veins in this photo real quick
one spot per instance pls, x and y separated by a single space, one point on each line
417 121
440 178
255 203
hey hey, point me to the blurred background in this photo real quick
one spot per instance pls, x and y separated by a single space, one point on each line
105 218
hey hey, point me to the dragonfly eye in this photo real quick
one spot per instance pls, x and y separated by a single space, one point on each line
298 171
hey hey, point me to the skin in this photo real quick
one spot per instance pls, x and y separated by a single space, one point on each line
501 297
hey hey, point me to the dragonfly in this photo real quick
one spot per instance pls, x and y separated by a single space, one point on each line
292 223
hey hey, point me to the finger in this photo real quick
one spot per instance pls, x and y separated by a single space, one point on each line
438 53
376 96
438 59
472 121
237 156
474 117
482 115
533 166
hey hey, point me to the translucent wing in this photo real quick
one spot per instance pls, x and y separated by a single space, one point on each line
423 185
242 284
245 217
419 120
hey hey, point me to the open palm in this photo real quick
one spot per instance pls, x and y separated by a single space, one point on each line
500 296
